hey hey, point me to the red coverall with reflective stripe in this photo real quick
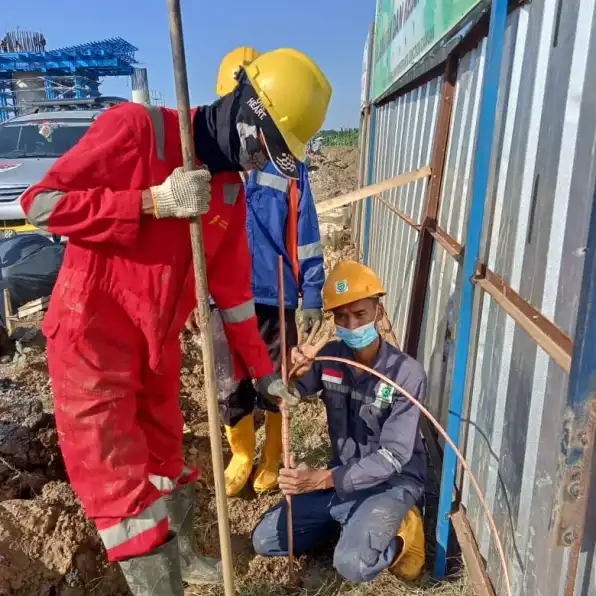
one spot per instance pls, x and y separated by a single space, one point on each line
124 291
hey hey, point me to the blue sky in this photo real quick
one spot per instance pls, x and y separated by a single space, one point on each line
332 32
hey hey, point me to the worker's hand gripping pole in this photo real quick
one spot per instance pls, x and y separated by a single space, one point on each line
285 429
196 234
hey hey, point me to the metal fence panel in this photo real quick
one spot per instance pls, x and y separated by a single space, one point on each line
539 199
405 131
538 204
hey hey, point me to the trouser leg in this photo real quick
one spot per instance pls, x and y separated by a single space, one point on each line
96 378
236 402
311 520
235 399
269 327
369 526
160 417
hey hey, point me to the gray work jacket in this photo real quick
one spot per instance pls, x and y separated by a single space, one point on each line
373 428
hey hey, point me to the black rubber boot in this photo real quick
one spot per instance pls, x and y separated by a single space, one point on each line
196 569
157 573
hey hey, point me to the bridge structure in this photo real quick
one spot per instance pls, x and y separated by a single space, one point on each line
29 72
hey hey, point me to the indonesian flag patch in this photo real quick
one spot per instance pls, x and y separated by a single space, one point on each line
385 393
332 376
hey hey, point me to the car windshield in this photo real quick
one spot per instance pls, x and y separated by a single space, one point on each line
40 138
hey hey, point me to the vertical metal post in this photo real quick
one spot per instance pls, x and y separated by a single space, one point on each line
78 87
369 180
3 103
49 88
357 221
486 124
431 210
366 138
573 494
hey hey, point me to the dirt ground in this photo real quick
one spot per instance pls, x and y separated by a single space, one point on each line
333 172
47 548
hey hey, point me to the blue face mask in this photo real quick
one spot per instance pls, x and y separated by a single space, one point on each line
357 338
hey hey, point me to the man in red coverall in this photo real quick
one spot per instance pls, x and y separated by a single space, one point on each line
126 287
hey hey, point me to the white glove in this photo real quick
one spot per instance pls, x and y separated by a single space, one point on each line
183 194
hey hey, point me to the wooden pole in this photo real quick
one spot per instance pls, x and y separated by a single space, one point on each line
285 429
196 235
8 312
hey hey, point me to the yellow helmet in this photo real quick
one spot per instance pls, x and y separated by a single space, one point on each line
295 93
350 281
231 63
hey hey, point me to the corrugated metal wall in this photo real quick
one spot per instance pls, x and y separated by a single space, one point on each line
404 133
537 211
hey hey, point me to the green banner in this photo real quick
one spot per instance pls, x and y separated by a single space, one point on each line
405 30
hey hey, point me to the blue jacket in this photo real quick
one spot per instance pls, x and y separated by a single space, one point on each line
267 209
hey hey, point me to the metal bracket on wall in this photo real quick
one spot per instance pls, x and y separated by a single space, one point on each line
578 442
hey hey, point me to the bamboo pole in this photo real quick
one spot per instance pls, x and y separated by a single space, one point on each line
196 234
372 189
285 431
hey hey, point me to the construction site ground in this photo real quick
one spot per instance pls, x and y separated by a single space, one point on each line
47 548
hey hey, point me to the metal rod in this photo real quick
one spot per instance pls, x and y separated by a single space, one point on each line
285 429
463 333
399 213
200 271
553 340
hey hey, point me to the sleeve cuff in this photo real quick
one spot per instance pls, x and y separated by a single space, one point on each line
342 482
312 299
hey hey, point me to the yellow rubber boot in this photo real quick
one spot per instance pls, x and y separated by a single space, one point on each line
241 438
409 562
267 472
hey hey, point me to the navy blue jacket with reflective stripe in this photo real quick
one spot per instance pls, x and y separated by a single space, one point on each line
266 217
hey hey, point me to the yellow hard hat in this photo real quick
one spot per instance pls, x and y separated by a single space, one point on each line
295 93
350 281
231 63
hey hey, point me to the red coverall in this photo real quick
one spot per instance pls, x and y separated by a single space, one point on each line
122 296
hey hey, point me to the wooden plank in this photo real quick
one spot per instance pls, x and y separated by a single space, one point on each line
33 307
372 189
475 565
544 332
431 210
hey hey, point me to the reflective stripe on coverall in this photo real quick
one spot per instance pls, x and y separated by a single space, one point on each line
378 463
124 291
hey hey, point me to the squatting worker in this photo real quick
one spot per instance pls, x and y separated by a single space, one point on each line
378 470
126 287
281 220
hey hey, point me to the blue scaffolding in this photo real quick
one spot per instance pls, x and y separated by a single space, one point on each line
73 72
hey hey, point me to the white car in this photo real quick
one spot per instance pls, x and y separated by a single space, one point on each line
30 144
